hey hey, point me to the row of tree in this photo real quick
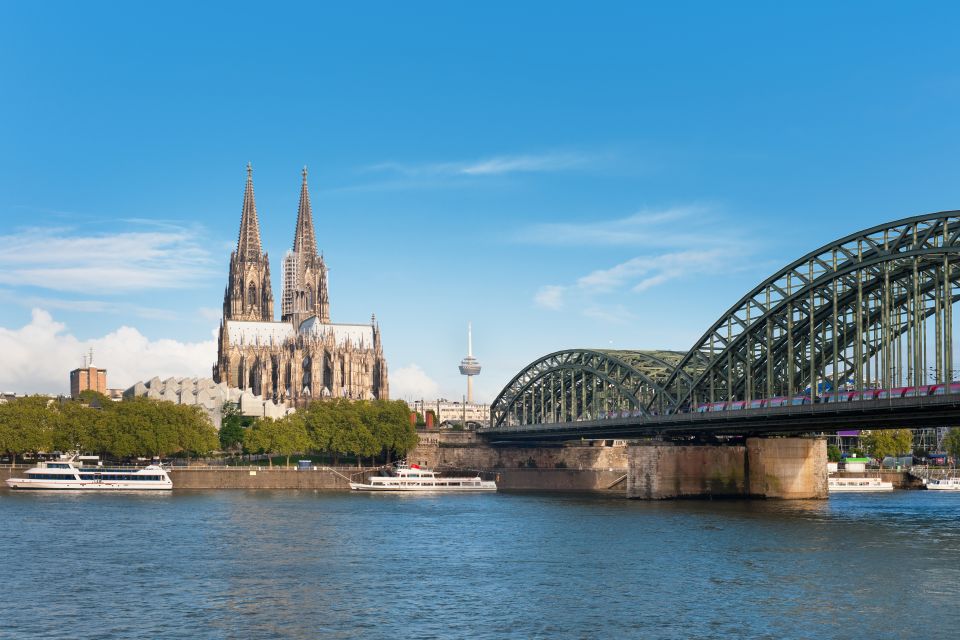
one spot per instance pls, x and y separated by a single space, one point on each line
144 427
362 429
896 442
94 424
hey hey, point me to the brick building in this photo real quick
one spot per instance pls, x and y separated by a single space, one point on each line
88 378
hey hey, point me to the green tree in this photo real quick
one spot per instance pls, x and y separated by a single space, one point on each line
233 425
344 437
196 435
9 436
33 420
888 442
952 443
833 453
284 437
94 399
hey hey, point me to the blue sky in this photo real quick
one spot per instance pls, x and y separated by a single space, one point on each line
563 175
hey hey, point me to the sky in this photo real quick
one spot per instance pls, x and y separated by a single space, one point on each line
562 175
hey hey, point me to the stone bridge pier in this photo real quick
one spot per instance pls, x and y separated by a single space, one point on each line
786 468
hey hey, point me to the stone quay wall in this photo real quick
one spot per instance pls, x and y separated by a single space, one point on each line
592 468
787 468
246 477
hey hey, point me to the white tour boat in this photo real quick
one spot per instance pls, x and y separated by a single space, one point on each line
943 484
66 474
415 478
841 485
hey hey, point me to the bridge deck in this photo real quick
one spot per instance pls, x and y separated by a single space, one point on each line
931 411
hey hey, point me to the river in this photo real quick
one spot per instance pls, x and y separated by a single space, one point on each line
285 564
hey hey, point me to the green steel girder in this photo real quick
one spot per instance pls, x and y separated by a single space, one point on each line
858 309
633 375
914 245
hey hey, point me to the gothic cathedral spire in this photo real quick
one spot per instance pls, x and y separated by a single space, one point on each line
305 240
248 242
304 272
248 295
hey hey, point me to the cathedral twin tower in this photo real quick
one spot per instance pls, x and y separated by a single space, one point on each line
304 356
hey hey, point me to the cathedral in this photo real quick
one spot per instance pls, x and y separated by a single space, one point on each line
304 356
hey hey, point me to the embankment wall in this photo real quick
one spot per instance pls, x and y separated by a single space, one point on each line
787 468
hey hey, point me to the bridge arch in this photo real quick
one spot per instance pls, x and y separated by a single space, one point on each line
872 309
582 384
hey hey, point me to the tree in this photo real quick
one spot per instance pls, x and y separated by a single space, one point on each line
9 438
952 443
283 437
32 420
93 399
233 425
833 453
888 442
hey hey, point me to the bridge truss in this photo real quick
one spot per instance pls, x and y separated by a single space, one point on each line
873 309
585 384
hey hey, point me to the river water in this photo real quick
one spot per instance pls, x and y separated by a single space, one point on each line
284 564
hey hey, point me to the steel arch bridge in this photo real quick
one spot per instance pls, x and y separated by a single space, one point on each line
871 310
585 384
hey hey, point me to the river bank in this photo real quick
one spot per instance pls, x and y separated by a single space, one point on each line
329 479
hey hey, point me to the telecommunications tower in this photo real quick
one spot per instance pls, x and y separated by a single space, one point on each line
469 366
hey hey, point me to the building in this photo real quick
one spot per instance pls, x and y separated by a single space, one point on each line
208 395
304 355
450 413
88 377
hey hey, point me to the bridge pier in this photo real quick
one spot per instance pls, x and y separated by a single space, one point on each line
787 468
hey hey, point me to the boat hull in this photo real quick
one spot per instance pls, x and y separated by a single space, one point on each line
872 489
80 485
359 486
857 485
942 487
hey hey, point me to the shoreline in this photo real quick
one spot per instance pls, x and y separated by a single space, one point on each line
606 481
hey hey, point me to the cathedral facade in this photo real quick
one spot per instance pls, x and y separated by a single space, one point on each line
303 356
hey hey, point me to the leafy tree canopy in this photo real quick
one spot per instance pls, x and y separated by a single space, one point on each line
888 442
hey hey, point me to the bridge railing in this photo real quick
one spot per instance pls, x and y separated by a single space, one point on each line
737 415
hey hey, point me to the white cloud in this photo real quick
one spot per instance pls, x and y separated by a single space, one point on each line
671 227
119 262
87 306
549 297
635 275
412 383
497 165
525 163
37 357
677 242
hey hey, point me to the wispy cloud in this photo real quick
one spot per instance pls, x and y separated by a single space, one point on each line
674 226
10 296
634 276
62 259
676 243
495 165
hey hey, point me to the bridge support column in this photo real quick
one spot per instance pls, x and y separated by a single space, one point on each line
789 468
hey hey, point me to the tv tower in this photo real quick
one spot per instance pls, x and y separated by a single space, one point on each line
469 366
